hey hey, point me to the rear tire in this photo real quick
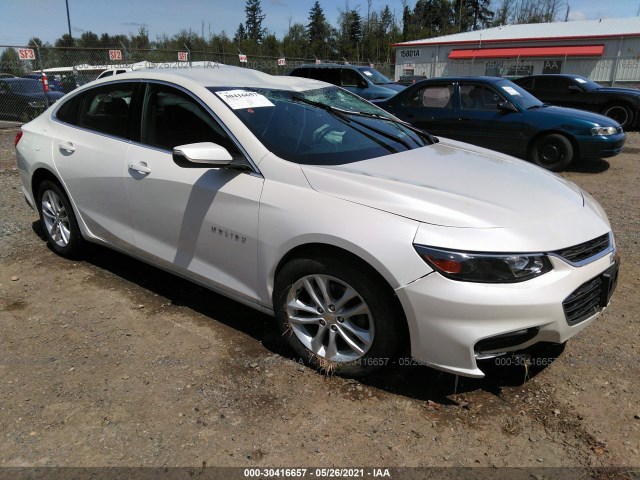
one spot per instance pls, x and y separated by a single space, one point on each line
620 113
552 151
58 220
335 316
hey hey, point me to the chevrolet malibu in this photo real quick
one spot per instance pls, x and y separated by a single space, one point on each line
363 236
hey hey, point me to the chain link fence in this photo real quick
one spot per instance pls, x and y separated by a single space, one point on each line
24 93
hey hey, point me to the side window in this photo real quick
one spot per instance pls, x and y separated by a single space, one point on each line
433 96
172 118
105 109
479 97
300 72
552 83
68 111
329 75
527 84
348 77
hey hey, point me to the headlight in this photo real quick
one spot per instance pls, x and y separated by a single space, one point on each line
604 131
485 267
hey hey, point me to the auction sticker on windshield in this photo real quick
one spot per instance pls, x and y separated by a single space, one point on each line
239 99
511 90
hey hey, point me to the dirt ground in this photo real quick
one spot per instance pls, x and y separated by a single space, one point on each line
109 362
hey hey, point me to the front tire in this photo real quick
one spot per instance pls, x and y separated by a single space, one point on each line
620 113
58 220
553 152
335 316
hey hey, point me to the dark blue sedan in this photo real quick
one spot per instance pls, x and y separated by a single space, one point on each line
498 114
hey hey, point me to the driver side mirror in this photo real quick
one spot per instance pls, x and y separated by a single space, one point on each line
362 83
507 107
201 154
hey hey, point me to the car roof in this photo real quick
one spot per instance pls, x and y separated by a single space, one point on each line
481 79
563 75
331 65
218 75
19 80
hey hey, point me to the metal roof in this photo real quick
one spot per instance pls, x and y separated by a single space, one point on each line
604 27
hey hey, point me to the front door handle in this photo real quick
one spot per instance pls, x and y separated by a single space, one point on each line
139 167
67 147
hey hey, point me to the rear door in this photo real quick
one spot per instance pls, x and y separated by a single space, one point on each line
432 108
90 144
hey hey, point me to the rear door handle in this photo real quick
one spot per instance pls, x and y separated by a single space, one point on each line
67 147
139 167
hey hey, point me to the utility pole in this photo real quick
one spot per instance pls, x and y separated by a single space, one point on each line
68 18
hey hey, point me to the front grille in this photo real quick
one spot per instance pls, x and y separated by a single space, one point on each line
580 252
583 302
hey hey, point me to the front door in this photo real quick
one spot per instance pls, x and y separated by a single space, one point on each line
483 123
201 221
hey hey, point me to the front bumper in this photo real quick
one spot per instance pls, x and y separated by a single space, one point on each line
596 146
448 318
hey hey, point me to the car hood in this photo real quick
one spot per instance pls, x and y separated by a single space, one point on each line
451 184
628 91
396 87
575 114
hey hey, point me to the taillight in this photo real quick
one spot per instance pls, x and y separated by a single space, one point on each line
18 137
45 82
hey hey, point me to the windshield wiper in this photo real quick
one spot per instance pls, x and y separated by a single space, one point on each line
395 121
344 114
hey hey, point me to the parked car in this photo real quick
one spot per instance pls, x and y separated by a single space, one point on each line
114 71
364 81
495 113
71 82
23 98
51 83
362 235
621 104
410 79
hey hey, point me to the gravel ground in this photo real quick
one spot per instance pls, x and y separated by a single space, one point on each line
110 362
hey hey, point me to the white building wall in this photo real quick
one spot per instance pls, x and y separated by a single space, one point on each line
620 61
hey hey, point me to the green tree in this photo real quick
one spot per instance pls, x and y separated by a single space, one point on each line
42 51
295 42
253 24
10 62
241 34
318 31
350 33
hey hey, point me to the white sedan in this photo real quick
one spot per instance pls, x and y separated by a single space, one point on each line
364 237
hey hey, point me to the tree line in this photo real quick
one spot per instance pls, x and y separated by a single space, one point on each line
362 34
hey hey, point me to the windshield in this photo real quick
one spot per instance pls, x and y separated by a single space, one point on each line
325 126
374 76
518 95
26 86
586 84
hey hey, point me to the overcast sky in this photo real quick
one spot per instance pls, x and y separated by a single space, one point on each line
47 19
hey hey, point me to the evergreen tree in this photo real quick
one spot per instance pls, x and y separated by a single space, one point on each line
318 31
255 17
241 34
